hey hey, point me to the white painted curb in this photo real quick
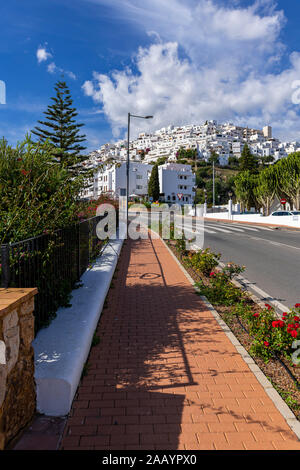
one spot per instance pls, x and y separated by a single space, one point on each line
61 350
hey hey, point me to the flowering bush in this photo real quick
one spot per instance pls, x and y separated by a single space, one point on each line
271 335
232 269
221 291
37 193
87 209
204 261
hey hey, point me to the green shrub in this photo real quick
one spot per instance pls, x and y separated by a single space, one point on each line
231 270
38 194
204 261
271 335
221 291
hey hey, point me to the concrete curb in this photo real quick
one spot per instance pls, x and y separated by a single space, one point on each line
279 403
61 350
245 222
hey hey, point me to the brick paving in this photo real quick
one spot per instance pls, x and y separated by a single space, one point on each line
165 375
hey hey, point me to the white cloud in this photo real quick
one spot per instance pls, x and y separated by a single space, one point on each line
53 68
225 72
42 54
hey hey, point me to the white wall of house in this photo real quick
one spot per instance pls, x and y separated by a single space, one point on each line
112 179
177 179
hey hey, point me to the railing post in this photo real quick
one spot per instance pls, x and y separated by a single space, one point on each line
5 267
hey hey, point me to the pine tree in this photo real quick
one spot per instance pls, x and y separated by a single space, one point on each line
153 185
61 129
248 161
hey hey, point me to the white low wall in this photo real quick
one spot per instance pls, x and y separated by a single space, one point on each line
61 350
288 221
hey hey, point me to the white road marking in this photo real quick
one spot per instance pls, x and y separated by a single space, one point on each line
187 227
231 228
219 229
240 228
255 227
264 296
275 243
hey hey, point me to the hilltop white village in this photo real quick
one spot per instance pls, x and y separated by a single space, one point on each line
177 181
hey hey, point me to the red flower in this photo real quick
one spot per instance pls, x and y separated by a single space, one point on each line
256 315
296 318
268 306
212 274
266 343
284 314
297 305
294 333
275 324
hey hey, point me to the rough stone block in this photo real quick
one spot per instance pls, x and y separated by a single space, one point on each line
3 377
27 307
26 330
12 342
10 320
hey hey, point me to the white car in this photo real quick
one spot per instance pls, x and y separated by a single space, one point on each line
282 213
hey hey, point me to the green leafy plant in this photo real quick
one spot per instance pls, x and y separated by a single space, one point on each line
204 261
37 194
270 334
232 269
220 291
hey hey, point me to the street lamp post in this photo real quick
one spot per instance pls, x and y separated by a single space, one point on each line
205 201
127 163
230 205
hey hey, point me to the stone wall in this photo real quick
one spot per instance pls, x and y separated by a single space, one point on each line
17 385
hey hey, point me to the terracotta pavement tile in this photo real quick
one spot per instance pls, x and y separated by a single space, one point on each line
165 375
84 430
286 445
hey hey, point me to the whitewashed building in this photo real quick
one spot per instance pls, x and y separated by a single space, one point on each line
177 183
112 178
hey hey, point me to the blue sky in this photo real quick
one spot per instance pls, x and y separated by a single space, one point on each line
184 61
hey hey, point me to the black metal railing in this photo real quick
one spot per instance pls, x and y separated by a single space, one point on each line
54 263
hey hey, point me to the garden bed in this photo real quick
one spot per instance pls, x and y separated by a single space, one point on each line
279 373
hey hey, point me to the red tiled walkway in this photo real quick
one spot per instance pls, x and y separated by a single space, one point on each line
165 375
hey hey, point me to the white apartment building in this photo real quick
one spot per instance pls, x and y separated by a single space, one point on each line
226 139
177 183
112 178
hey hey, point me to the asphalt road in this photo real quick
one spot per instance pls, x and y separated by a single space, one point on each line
271 257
